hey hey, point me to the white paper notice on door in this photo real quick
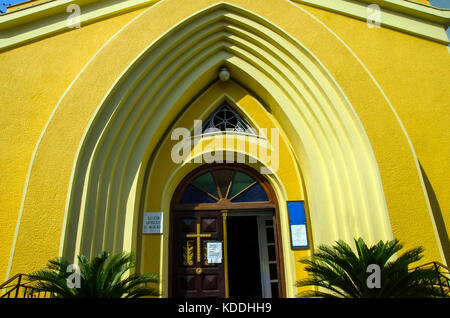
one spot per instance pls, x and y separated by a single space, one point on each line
299 237
214 252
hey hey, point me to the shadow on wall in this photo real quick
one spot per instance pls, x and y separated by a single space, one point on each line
437 214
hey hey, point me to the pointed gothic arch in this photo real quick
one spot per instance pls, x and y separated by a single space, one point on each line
319 119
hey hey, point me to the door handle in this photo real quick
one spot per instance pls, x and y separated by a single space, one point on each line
198 270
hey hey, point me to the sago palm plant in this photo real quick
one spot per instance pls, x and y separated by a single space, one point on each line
102 277
340 272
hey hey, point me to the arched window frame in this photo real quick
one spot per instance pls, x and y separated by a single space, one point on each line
225 118
224 203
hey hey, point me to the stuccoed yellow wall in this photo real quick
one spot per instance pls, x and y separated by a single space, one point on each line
414 75
33 77
411 71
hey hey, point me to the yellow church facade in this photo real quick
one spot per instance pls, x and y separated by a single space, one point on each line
217 118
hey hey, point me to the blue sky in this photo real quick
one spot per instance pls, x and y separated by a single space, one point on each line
440 3
5 3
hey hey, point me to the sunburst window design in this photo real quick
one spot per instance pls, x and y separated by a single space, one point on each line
225 118
223 184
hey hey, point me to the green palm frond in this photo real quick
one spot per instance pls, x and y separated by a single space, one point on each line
52 279
339 271
118 265
102 277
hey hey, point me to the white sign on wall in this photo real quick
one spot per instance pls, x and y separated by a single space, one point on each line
299 236
152 223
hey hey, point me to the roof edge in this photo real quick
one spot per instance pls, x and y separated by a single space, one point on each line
402 15
39 21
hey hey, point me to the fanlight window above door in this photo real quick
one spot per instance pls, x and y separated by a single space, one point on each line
225 118
224 185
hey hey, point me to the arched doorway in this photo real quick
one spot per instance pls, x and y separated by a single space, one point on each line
225 235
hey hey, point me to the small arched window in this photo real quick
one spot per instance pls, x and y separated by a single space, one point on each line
225 118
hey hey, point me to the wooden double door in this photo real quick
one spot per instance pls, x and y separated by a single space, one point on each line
224 235
194 275
221 254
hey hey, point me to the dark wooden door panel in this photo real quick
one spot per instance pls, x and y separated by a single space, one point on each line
193 275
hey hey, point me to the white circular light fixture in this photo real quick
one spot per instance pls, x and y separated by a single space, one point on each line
224 74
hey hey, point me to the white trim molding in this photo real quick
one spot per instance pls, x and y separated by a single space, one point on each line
405 16
48 18
42 20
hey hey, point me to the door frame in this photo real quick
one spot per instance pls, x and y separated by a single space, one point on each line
249 207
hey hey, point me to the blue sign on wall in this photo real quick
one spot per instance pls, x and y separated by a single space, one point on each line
297 224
